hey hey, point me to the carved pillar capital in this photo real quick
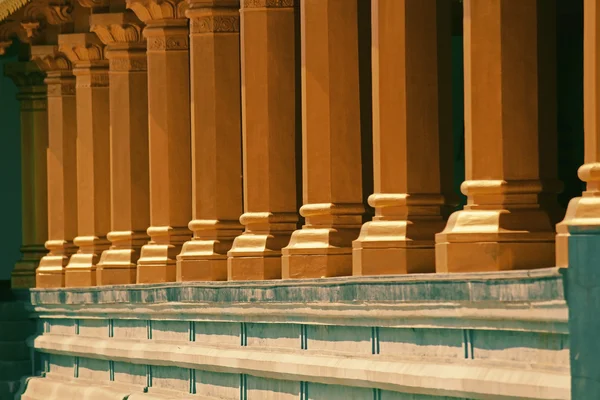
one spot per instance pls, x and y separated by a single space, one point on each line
268 3
122 35
151 11
84 50
30 80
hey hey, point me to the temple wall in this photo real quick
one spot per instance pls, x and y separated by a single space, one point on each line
413 337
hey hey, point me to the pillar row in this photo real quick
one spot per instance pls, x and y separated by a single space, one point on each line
129 168
32 97
61 158
511 203
166 34
90 68
269 138
216 139
411 127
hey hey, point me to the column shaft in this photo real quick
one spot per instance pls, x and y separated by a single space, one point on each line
331 159
93 155
129 163
269 134
216 139
61 165
34 142
170 148
504 226
411 113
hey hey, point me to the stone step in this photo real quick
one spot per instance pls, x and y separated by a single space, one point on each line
51 389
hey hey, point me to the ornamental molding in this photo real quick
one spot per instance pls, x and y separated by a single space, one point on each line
59 89
156 10
214 24
268 3
169 43
128 64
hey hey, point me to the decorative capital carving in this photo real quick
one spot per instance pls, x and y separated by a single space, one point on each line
156 10
213 20
117 27
81 47
60 83
48 58
268 3
167 43
24 74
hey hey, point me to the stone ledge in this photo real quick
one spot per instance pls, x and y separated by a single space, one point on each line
512 286
471 379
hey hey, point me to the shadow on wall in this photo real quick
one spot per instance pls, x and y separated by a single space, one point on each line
10 170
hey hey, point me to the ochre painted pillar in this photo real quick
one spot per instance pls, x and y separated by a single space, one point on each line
269 134
34 140
584 212
331 146
167 38
129 170
216 139
503 226
61 165
411 110
90 68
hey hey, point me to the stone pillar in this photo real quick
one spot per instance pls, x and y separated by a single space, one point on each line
216 139
130 206
578 239
90 68
269 134
412 107
61 165
167 38
503 226
331 163
34 140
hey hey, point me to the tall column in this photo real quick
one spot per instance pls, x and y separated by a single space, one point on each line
412 107
216 139
503 226
34 140
167 38
61 165
129 179
269 134
90 68
331 146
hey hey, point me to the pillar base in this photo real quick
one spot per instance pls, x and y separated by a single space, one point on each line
204 258
118 264
23 275
157 263
495 240
323 247
51 270
254 268
81 270
402 258
256 253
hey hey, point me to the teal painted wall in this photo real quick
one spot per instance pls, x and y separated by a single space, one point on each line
10 172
